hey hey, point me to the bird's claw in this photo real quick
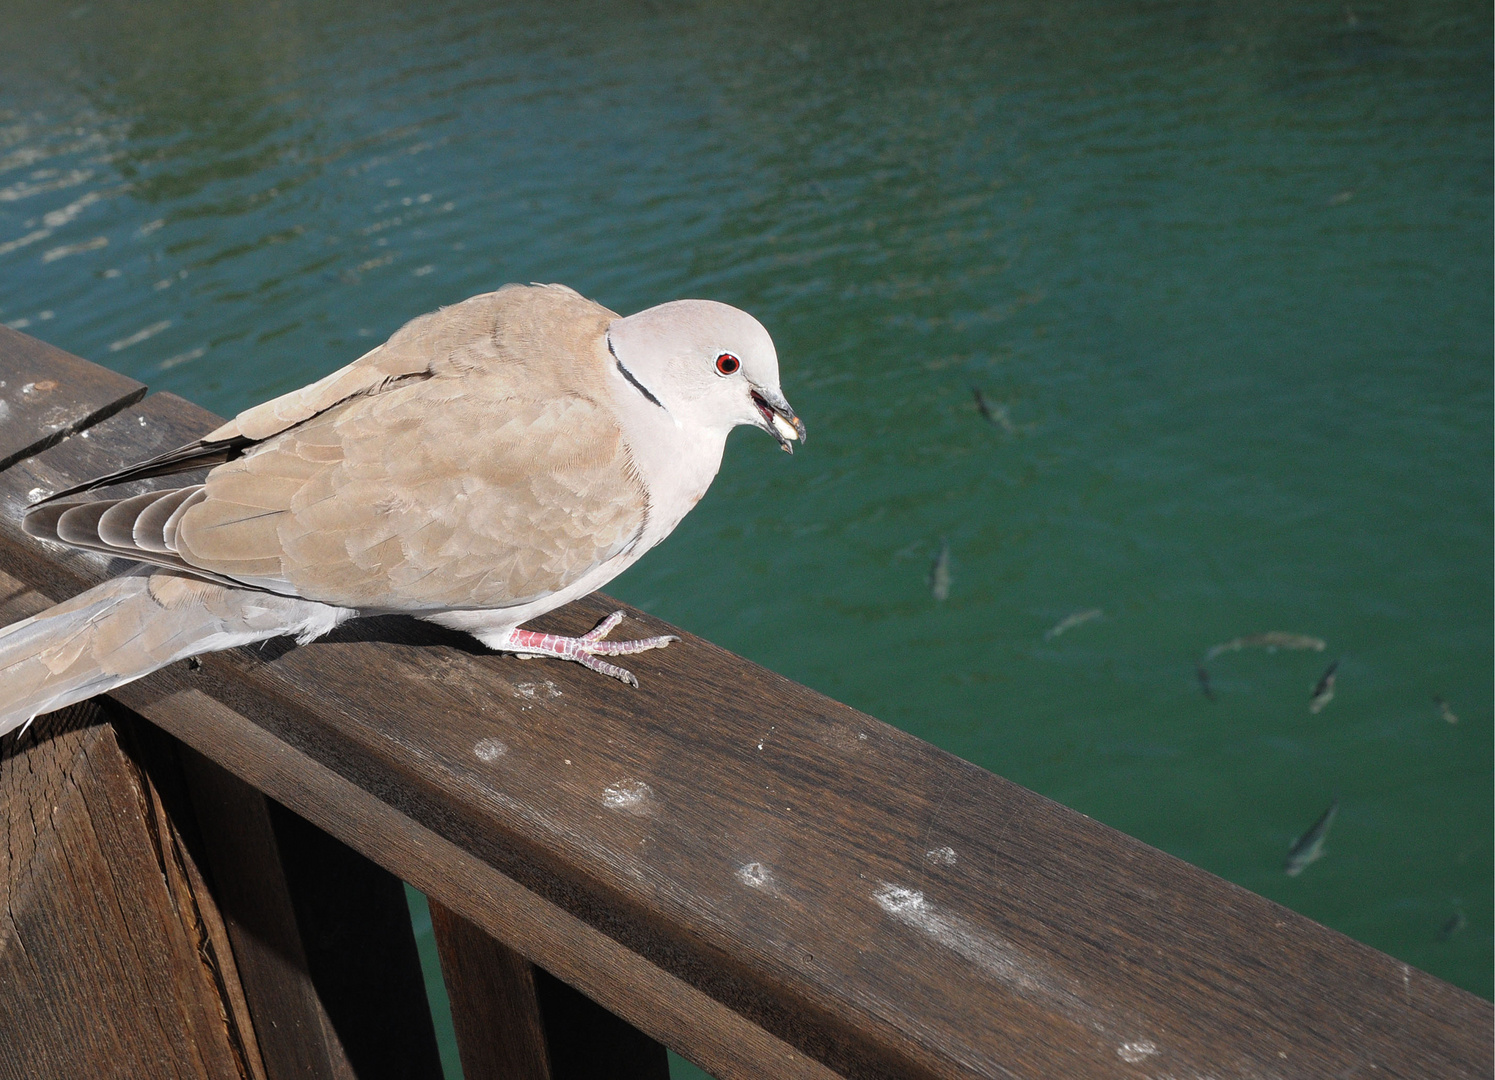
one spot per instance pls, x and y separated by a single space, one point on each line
602 629
589 647
595 644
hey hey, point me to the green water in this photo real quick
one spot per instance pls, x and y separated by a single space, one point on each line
1225 268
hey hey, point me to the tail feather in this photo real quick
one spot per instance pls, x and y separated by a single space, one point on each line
141 527
128 627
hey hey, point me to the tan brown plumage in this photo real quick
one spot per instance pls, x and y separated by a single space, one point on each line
489 461
367 490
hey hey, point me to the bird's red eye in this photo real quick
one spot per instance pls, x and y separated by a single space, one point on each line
727 364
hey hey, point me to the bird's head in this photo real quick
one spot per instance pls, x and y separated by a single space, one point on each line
706 364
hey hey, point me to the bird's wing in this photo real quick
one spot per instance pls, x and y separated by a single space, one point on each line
443 341
438 495
499 477
446 340
139 527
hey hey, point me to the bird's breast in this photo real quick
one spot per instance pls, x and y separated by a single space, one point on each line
676 464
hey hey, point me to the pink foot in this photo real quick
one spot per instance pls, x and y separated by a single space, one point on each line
585 649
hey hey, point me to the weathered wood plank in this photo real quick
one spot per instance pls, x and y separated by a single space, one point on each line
515 1021
297 1037
108 965
322 938
181 856
675 1013
355 1008
1050 944
836 884
45 394
495 1009
355 928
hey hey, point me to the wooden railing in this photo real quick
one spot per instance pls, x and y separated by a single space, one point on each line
721 862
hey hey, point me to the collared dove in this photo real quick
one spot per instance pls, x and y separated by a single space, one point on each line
490 462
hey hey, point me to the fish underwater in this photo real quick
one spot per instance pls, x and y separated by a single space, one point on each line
939 572
1079 618
1452 925
998 414
995 415
1310 846
1323 693
1444 711
1272 640
1202 674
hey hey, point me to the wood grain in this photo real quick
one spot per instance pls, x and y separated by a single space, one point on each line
495 1008
675 1013
46 394
322 938
180 854
107 964
734 847
515 1021
297 1037
320 935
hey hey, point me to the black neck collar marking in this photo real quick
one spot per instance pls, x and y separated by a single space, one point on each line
640 387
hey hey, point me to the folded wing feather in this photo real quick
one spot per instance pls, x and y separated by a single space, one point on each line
469 462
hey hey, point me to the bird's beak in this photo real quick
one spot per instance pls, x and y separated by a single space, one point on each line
777 418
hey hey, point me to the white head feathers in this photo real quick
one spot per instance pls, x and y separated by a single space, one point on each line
709 365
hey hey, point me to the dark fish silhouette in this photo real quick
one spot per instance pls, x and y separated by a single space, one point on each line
1202 674
1452 925
939 572
982 405
1323 693
996 415
1310 846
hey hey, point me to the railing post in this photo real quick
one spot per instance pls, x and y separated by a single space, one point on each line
516 1021
113 959
322 936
